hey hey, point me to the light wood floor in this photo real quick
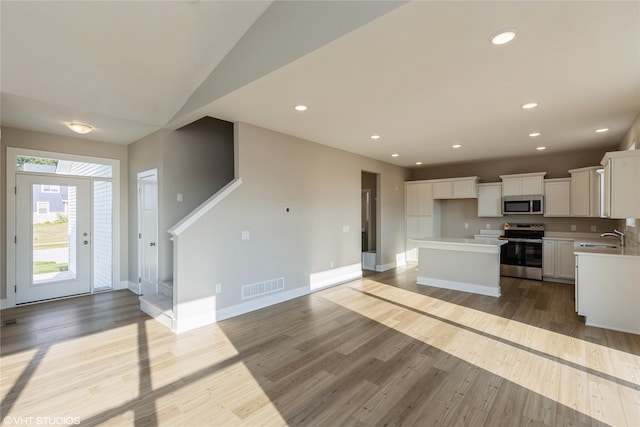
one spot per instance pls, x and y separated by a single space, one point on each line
377 351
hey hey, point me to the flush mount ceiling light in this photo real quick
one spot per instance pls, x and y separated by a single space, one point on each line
541 148
395 155
534 134
375 137
503 36
300 107
79 127
456 146
602 130
530 105
418 163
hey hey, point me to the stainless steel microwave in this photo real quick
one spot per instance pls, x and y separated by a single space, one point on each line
523 205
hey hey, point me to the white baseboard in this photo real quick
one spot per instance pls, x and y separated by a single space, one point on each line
257 304
133 287
123 284
385 267
460 286
335 276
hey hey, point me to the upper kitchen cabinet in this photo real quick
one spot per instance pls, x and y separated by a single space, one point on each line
455 188
490 199
418 198
622 184
523 184
585 191
557 197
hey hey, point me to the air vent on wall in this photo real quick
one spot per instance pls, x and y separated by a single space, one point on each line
261 288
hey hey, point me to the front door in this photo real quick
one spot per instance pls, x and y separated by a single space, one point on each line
53 237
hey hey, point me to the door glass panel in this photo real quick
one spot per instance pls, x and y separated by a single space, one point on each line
62 167
102 236
54 234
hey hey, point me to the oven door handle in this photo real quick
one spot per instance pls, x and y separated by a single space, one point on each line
518 240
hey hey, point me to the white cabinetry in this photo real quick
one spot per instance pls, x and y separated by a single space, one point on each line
522 184
455 188
557 197
622 184
418 198
607 291
422 217
558 260
490 199
585 191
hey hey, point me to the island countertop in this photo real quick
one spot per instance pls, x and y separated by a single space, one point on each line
460 244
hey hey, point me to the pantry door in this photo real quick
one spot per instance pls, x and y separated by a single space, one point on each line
53 237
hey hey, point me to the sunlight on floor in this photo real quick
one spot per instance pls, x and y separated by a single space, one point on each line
595 380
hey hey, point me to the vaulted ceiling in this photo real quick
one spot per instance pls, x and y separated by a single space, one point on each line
422 75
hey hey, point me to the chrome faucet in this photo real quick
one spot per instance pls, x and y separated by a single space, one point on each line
616 233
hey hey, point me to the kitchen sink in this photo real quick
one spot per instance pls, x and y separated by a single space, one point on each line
597 245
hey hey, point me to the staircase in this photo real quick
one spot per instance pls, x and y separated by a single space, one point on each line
160 305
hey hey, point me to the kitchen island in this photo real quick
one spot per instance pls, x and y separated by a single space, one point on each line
469 265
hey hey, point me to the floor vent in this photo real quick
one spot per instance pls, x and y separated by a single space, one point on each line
261 288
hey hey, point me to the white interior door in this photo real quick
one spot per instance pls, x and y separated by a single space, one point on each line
148 231
53 237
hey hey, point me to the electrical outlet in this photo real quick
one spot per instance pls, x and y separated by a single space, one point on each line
331 264
466 225
218 288
246 235
179 198
345 228
593 228
573 227
488 226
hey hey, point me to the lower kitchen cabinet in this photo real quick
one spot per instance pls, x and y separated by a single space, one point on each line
558 262
607 291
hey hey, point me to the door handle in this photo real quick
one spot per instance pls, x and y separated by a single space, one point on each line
152 244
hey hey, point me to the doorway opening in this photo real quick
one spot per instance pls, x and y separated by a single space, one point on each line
61 216
369 219
148 232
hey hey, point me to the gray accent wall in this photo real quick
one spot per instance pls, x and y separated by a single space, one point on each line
196 161
320 185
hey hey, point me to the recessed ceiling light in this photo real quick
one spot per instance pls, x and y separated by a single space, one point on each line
300 107
456 146
375 137
395 155
530 105
79 127
534 134
541 148
418 163
503 36
602 130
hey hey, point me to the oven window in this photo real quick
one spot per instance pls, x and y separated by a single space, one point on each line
517 206
521 253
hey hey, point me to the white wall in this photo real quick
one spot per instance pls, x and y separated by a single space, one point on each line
320 185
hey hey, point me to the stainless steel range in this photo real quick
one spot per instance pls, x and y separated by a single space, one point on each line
522 255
